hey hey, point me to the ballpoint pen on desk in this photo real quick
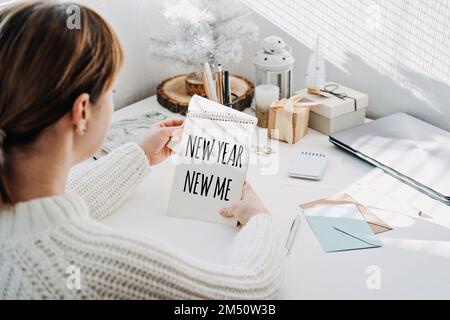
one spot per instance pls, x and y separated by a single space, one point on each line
293 232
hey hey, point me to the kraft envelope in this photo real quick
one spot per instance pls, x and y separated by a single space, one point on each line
376 224
341 228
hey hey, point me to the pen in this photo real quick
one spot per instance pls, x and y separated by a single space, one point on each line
292 232
227 93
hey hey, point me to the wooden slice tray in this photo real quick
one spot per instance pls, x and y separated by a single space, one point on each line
172 93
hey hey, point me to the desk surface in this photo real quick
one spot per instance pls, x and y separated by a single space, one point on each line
414 262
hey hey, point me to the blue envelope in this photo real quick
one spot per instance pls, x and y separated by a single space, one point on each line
341 228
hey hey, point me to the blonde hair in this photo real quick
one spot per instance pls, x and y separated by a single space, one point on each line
45 66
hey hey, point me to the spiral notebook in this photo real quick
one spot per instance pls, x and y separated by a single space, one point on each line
308 165
212 162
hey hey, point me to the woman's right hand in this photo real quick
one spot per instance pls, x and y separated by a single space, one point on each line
248 207
155 143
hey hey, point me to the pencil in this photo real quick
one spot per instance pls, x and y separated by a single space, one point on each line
210 79
221 83
206 85
216 76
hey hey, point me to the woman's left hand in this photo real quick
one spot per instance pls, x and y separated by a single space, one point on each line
155 142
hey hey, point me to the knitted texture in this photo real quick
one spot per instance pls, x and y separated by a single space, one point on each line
106 184
42 241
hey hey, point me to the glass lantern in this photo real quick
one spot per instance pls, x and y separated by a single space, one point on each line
274 65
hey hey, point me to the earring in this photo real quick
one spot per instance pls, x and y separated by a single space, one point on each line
82 131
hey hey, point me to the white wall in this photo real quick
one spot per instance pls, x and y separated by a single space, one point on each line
136 20
397 51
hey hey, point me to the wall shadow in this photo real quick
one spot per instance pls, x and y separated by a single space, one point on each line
417 95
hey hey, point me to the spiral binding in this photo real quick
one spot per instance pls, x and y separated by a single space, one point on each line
313 154
218 116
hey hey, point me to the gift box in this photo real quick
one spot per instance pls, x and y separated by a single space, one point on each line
340 108
289 118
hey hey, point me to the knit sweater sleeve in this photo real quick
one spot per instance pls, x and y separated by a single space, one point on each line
134 268
107 183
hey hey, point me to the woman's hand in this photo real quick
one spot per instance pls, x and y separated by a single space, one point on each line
248 207
155 143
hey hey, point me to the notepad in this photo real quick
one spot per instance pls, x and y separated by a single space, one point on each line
212 161
308 165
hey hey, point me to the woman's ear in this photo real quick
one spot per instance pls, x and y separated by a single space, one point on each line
81 113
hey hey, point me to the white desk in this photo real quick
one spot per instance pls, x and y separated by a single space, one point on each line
414 261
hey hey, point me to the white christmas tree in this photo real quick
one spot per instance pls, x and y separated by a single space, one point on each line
206 31
315 71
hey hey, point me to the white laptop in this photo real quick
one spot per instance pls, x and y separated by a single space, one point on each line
411 150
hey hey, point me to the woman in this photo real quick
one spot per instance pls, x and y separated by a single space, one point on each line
55 109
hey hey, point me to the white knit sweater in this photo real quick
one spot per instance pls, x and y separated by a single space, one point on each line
44 239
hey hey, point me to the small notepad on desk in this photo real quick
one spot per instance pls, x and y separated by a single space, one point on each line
308 165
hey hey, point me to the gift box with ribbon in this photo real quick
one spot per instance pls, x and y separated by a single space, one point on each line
289 118
340 107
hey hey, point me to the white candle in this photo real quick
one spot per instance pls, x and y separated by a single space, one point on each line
265 95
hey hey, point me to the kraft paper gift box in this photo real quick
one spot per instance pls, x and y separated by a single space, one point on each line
340 108
288 119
